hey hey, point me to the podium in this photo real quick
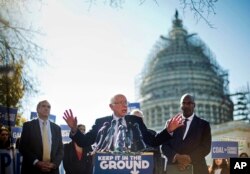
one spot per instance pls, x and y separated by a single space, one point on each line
111 163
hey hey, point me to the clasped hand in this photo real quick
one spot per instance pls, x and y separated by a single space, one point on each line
45 166
182 161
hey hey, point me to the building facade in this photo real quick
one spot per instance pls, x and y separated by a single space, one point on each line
181 63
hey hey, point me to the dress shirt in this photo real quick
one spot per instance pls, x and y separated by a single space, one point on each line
49 134
116 126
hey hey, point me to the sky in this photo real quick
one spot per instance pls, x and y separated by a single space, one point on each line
95 53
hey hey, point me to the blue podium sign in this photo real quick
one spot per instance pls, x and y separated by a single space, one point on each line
107 163
224 149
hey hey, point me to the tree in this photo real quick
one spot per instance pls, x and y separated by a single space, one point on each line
18 48
11 86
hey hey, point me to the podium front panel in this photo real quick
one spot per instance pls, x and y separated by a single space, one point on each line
107 163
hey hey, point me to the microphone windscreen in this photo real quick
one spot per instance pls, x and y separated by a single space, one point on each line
113 122
106 124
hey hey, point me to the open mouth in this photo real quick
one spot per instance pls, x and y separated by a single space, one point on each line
124 110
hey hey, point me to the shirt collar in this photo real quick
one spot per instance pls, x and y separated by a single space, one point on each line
117 118
189 118
41 121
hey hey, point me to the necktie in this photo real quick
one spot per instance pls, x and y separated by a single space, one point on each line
184 127
46 152
120 137
119 122
115 138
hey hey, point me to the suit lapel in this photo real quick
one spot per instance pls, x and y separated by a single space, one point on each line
53 134
110 119
37 131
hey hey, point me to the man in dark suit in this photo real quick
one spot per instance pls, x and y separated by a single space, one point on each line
191 143
41 143
119 106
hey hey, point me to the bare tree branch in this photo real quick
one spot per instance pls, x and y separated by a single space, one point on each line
202 9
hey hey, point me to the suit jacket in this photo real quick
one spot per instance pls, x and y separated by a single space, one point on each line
31 146
72 165
89 138
197 144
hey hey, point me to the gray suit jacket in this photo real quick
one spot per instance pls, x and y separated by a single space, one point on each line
31 146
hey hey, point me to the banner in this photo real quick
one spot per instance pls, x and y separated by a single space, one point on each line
224 149
8 116
10 161
52 118
65 130
107 163
15 133
132 106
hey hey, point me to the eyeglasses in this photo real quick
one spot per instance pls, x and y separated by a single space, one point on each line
121 103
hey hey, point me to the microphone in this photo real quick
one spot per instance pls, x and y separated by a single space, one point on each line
140 144
105 125
129 136
100 135
120 143
106 145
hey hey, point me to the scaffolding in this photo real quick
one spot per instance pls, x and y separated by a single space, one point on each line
177 64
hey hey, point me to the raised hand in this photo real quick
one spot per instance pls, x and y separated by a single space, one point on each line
174 123
70 120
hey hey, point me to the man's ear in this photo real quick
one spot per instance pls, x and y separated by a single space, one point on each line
111 106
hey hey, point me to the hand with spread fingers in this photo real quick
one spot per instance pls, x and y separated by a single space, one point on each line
174 123
70 120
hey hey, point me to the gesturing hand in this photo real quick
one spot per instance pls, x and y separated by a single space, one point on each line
70 120
174 123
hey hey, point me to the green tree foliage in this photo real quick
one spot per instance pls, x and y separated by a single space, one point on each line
11 85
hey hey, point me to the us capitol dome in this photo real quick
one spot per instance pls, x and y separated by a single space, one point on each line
181 63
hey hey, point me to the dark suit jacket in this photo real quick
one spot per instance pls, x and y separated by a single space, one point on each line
31 146
72 165
197 144
89 138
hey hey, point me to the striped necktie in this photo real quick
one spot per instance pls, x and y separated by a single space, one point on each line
119 122
45 137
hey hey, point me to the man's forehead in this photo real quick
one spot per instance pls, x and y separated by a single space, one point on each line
120 97
44 103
